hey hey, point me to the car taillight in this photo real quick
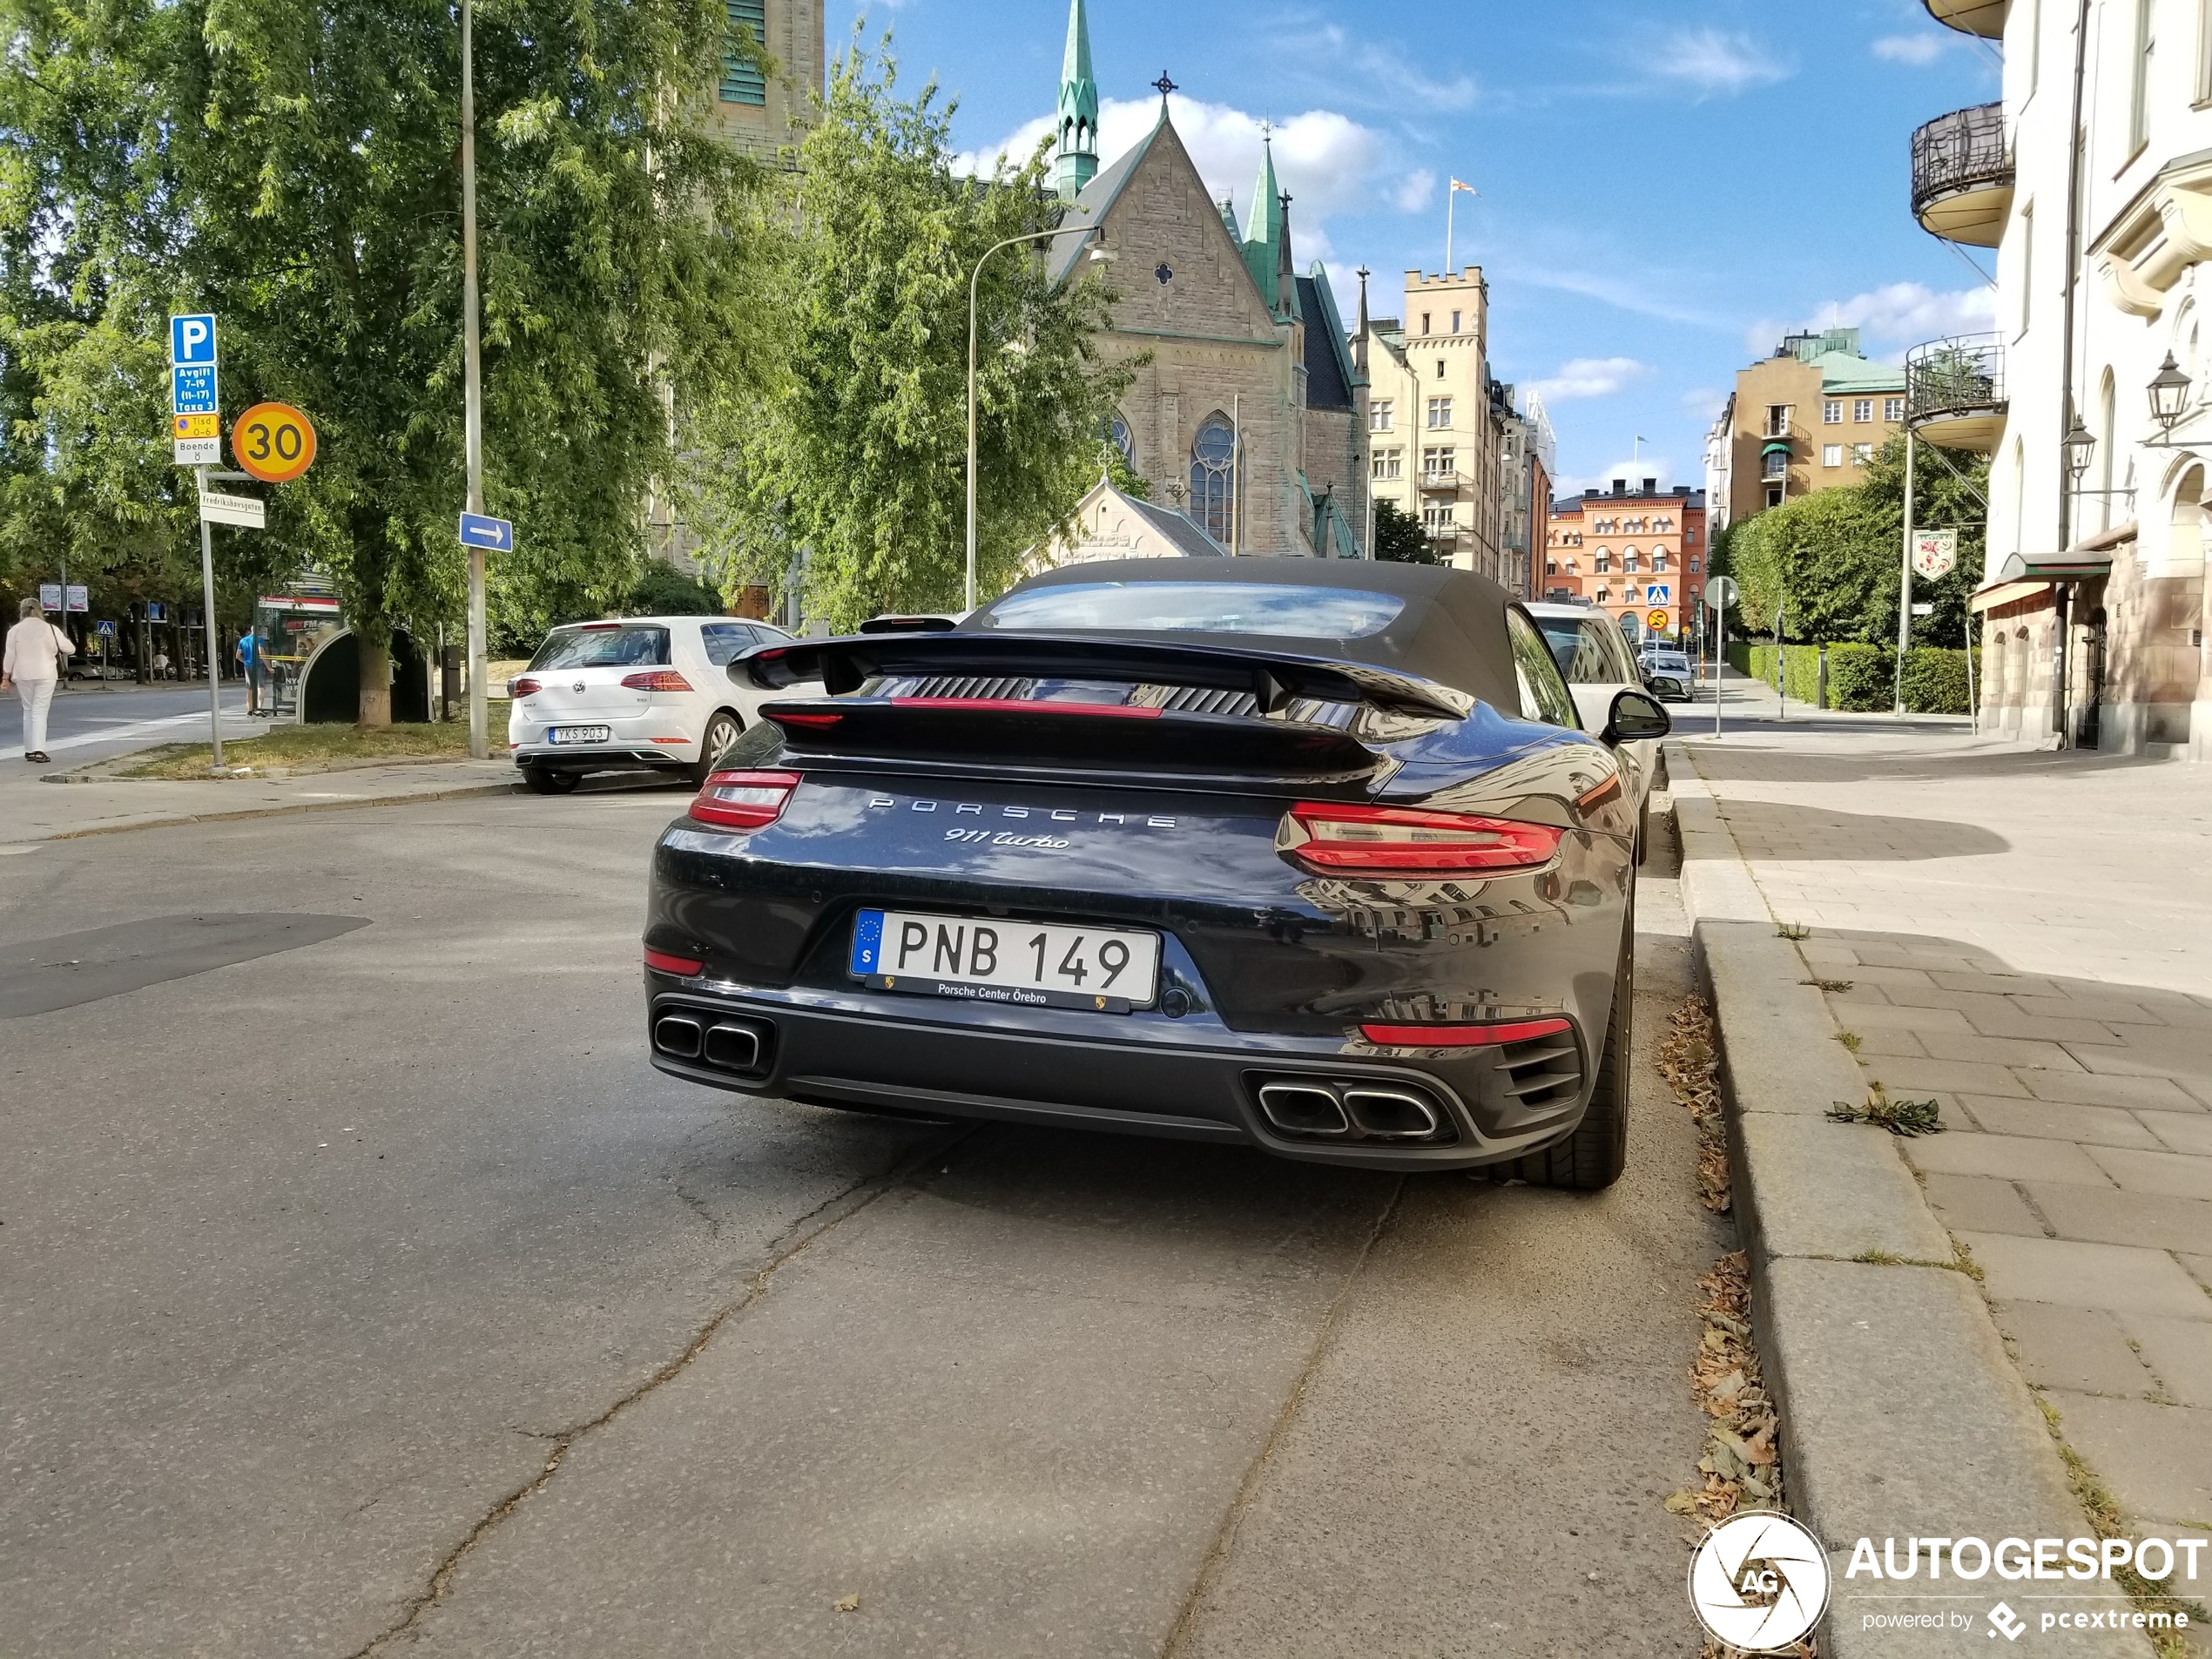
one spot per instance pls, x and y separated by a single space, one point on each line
658 679
1349 838
661 962
1462 1036
744 799
525 687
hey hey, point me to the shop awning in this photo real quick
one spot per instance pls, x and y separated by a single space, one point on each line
2024 575
2003 593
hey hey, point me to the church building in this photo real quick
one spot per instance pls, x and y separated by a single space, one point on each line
1251 415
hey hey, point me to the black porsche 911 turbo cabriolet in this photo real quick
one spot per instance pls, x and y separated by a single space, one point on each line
1306 854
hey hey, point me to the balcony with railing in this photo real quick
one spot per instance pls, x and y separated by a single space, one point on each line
1954 392
1962 176
1442 481
1983 17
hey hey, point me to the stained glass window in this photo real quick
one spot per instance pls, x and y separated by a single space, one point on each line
1121 438
1213 475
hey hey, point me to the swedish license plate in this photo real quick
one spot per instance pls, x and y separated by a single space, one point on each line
582 734
1024 964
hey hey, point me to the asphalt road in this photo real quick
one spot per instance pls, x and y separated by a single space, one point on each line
369 1292
89 722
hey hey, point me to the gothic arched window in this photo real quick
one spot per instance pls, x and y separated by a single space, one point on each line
1213 475
1121 438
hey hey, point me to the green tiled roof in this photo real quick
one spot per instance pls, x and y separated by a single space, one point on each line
1841 372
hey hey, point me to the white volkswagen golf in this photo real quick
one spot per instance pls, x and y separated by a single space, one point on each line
638 691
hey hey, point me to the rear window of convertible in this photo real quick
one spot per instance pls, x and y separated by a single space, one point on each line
615 647
1199 607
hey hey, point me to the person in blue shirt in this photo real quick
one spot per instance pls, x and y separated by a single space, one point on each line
249 658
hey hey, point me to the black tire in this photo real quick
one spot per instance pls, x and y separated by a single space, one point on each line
721 731
1592 1158
544 781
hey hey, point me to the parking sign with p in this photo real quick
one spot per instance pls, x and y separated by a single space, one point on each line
192 340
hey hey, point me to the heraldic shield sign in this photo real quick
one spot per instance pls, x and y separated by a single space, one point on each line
1934 552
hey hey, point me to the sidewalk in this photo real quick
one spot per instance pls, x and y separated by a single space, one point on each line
2026 938
35 811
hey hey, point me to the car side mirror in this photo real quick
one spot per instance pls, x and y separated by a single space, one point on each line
1633 718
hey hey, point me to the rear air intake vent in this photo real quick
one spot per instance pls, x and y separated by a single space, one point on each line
1354 1109
1541 1072
1004 688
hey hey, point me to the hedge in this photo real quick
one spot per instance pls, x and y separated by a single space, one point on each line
1863 678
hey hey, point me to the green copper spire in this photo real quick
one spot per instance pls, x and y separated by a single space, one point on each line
1263 237
1078 159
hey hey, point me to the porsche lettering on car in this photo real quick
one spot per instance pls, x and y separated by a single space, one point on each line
1314 857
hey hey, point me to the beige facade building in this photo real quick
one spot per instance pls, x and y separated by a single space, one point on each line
1809 417
1437 427
756 112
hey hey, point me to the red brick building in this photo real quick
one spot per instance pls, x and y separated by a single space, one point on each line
1629 552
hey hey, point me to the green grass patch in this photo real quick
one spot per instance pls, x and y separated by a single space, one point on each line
319 748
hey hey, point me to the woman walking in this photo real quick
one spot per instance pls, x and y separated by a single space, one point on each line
31 665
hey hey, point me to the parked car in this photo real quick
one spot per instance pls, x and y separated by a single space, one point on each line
1599 664
1308 855
1669 676
636 691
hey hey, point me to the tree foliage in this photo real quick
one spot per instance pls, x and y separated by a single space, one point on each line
292 165
1831 560
1398 536
856 452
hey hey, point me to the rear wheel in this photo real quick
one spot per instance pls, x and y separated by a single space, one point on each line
544 781
1593 1157
721 731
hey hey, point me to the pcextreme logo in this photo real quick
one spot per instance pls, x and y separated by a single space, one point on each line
1758 1582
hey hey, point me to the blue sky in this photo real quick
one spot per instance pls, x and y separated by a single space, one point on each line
1665 188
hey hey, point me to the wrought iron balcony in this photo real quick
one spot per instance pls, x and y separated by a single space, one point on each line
1962 176
1954 392
1983 17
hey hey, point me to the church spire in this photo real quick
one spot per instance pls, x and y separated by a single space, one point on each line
1267 235
1077 163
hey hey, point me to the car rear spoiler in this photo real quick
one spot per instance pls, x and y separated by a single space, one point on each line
1274 678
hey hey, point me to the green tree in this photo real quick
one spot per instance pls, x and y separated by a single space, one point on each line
290 165
1398 537
857 452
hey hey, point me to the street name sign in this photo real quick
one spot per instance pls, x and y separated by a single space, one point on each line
1922 608
1720 593
274 441
241 510
1934 553
477 530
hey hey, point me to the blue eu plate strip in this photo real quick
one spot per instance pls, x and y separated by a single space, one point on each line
867 941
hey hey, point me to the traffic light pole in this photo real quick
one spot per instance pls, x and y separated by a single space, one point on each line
479 740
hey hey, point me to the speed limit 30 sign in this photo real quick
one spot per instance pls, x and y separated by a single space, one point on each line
274 441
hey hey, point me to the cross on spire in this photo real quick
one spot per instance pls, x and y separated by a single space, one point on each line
1166 85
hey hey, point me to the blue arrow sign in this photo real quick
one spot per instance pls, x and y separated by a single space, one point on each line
477 530
192 390
192 340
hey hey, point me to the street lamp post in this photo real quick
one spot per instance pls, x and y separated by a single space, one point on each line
472 396
974 278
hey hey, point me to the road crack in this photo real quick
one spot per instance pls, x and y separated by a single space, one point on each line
817 1223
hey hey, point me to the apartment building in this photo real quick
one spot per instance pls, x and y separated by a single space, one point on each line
1638 553
1809 416
2091 178
1436 425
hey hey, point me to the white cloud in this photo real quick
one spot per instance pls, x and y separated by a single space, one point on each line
1590 377
1897 313
1635 296
1328 162
1920 49
1383 74
1711 63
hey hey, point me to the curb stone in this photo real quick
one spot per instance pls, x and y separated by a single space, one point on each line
1901 1415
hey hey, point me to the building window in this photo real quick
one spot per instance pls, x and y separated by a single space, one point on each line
1831 412
1862 454
1693 564
1658 559
1456 322
1773 495
1439 369
1378 415
742 80
1118 435
1689 536
1774 464
1425 323
1604 560
1388 464
2139 90
1437 520
1629 560
1832 455
1551 567
1438 464
1778 419
1213 476
1893 409
1604 596
1862 409
1440 411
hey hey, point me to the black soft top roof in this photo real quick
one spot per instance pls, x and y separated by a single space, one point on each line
1452 631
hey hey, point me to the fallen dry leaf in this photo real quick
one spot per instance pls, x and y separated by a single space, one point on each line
849 1603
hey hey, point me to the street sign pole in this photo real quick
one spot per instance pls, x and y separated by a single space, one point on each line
479 741
207 626
1904 582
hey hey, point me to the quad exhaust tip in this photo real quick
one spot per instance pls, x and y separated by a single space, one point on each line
1326 1109
725 1044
